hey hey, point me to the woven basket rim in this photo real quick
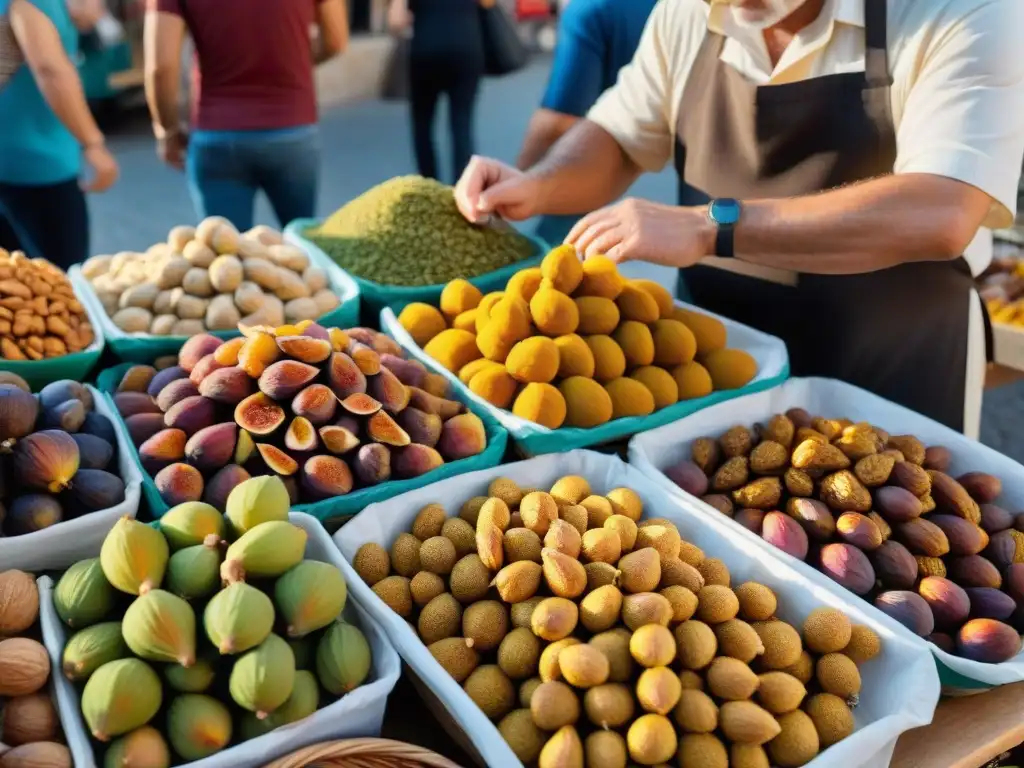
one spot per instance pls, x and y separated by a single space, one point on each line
384 753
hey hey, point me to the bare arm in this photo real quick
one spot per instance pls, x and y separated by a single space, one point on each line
584 170
332 28
163 39
546 127
863 227
399 17
53 71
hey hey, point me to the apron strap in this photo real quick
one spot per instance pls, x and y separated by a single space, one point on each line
876 54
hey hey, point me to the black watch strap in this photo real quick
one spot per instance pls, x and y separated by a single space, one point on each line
724 241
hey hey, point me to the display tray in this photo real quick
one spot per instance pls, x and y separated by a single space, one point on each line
533 440
145 347
358 713
77 365
56 547
651 452
900 686
377 296
335 511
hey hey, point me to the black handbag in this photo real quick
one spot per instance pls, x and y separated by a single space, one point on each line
504 51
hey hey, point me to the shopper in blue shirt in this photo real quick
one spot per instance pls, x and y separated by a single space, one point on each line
596 38
45 133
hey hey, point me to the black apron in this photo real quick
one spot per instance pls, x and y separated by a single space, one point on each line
901 332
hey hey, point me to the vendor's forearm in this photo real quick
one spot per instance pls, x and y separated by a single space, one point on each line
162 96
62 89
863 227
546 127
586 169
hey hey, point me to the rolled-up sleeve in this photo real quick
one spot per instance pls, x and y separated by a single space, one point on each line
637 110
577 71
964 114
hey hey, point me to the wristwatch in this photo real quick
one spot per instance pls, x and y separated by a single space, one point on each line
724 213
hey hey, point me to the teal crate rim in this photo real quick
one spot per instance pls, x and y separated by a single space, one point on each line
337 510
295 232
541 439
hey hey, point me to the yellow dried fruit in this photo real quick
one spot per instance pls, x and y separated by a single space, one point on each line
562 266
629 398
453 348
864 644
553 705
646 608
797 742
660 384
495 385
542 404
459 296
692 380
522 544
651 739
658 690
609 359
730 368
597 315
696 644
709 332
636 342
524 283
716 604
637 305
587 403
832 718
696 712
713 570
554 618
422 321
731 679
737 639
780 692
600 278
782 646
640 570
609 705
574 357
548 667
538 510
838 674
746 723
827 630
583 666
757 602
553 312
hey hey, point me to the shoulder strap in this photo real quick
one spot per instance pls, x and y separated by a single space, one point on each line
876 54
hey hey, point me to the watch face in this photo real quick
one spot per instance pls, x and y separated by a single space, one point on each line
725 210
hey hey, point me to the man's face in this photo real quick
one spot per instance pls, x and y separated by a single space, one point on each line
761 14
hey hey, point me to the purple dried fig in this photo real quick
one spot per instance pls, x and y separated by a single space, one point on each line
785 533
949 603
942 641
1006 548
751 519
897 505
987 640
983 487
689 477
859 530
976 571
909 609
995 519
848 566
965 538
1013 582
988 603
895 567
719 501
937 457
815 518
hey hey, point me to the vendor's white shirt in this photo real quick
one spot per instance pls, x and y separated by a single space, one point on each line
957 94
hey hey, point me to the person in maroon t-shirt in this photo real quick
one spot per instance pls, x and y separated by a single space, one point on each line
254 114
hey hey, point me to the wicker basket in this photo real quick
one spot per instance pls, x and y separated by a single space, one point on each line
363 753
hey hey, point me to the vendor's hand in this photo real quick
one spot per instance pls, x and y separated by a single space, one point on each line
171 147
103 168
399 19
489 186
639 230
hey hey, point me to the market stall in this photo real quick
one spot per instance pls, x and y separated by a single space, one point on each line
271 536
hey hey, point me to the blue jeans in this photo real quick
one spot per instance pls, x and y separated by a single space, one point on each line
226 169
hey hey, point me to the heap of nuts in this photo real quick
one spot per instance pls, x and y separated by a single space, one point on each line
39 314
879 515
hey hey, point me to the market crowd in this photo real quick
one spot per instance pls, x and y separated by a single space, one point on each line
837 159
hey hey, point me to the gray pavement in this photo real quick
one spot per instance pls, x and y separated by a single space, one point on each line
364 144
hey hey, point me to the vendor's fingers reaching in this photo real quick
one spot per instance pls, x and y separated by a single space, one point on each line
639 230
490 187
